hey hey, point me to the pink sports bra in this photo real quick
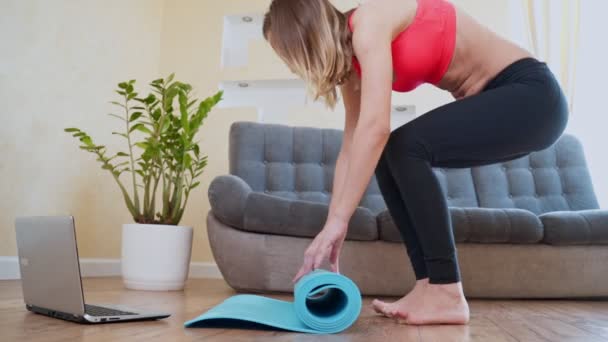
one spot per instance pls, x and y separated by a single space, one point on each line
422 52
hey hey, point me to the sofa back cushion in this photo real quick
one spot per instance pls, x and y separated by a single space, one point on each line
554 179
298 163
291 162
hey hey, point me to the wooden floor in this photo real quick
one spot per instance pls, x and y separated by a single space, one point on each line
491 320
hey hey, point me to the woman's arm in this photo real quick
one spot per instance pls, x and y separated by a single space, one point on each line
372 45
351 96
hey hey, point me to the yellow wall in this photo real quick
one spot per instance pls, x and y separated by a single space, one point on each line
60 61
58 65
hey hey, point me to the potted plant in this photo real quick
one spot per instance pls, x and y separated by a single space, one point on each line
162 166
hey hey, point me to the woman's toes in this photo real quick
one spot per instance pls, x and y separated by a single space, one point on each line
391 311
379 306
399 315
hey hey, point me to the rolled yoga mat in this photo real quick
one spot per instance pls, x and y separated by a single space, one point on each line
324 303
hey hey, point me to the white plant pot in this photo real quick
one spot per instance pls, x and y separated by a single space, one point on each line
155 257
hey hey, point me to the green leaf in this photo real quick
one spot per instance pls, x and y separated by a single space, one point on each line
122 85
87 141
195 185
170 78
156 114
218 96
116 116
121 93
122 154
135 127
123 163
187 160
135 116
129 88
140 127
142 145
196 150
79 134
71 129
117 104
121 134
183 100
150 99
131 96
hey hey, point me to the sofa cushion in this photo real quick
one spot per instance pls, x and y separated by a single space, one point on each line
271 214
294 162
479 225
584 227
554 179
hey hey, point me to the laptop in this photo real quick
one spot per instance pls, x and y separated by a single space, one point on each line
50 274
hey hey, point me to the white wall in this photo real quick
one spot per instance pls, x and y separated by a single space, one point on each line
589 117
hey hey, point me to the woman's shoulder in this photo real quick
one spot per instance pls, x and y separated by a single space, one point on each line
394 15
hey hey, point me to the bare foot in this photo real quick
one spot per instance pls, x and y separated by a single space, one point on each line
403 304
436 304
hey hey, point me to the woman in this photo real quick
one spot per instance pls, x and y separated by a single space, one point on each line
508 104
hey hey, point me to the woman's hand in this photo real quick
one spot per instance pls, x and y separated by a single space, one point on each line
327 242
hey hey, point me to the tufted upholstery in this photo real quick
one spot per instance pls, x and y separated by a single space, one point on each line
290 162
480 225
281 179
550 180
584 227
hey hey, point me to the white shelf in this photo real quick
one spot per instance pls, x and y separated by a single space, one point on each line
401 114
239 31
272 98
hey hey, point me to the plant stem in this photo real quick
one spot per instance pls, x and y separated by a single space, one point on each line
135 193
186 195
125 194
153 200
147 197
166 182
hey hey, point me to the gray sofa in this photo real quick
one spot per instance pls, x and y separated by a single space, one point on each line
527 228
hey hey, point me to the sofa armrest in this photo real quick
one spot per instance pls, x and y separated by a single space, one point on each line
582 227
227 196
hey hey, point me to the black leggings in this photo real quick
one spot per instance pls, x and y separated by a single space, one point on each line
521 110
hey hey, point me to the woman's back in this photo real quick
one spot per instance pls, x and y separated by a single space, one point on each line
478 55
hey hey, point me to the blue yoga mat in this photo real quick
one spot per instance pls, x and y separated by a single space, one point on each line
324 303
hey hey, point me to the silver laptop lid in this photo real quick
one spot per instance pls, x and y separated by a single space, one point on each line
48 259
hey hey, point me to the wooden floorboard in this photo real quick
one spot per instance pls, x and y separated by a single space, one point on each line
491 320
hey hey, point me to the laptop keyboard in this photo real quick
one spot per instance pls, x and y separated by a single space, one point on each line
95 310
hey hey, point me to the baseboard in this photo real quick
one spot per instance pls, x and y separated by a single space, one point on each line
9 268
208 270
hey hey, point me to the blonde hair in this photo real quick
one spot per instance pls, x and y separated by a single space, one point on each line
313 39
